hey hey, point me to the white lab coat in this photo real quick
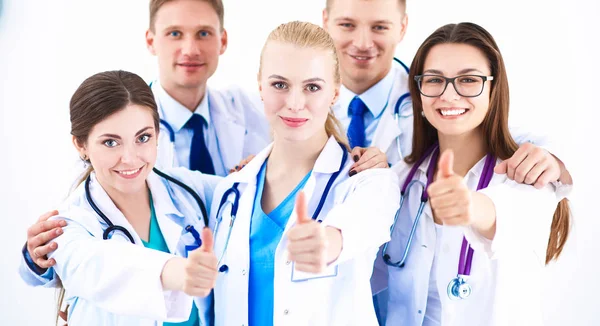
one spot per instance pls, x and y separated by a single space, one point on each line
240 125
362 207
113 282
506 273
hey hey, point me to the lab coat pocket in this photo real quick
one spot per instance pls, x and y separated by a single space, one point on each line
298 276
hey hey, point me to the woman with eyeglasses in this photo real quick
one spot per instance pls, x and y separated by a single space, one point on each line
461 253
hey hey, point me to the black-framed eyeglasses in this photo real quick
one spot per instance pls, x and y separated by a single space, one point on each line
465 85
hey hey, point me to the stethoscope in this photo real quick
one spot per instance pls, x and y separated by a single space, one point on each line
458 288
234 191
403 100
113 228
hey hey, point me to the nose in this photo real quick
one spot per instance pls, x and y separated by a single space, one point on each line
296 100
190 47
363 40
129 154
450 93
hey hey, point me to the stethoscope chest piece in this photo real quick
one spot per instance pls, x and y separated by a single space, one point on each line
459 289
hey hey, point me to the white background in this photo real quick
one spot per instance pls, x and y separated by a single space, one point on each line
48 47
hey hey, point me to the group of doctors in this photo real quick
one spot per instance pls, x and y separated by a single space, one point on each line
315 223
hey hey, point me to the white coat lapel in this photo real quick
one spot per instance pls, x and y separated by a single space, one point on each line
241 230
230 132
110 210
169 218
327 163
388 129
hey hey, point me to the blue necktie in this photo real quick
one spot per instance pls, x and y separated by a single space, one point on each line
356 129
200 159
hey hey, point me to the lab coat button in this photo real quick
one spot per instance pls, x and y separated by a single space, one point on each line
286 312
243 272
420 312
287 262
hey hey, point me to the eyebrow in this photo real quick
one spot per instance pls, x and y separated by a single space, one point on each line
379 22
119 137
310 80
464 71
177 27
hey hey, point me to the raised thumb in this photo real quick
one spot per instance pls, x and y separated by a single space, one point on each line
207 240
302 216
446 164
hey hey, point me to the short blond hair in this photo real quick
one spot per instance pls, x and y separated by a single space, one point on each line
156 4
328 3
308 35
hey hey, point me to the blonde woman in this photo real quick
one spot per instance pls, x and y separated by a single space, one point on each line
297 236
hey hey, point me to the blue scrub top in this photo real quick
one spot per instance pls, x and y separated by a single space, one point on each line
265 233
156 241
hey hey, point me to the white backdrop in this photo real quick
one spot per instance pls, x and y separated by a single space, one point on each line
48 47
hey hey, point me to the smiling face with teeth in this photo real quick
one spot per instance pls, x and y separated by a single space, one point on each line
122 149
365 34
450 113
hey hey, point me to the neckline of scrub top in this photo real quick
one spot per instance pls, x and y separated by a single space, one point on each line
156 240
276 214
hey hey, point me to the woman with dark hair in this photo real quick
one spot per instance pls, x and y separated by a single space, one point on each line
136 247
462 253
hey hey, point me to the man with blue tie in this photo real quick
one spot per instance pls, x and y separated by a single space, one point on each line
201 128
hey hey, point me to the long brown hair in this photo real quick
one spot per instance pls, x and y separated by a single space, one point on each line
497 138
96 99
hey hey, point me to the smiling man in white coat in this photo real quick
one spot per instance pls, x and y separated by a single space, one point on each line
201 128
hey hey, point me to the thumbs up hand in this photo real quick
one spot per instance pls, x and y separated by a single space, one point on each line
201 268
307 241
450 199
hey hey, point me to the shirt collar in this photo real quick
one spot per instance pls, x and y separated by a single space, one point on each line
474 172
376 98
174 113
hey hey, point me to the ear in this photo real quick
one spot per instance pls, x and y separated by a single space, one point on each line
325 19
223 41
260 90
336 94
79 147
403 27
150 42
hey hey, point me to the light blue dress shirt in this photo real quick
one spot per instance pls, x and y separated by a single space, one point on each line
376 98
177 115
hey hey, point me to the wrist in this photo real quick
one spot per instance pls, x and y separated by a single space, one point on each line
334 241
172 276
484 212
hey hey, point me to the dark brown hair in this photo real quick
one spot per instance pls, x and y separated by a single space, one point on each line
497 138
216 4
